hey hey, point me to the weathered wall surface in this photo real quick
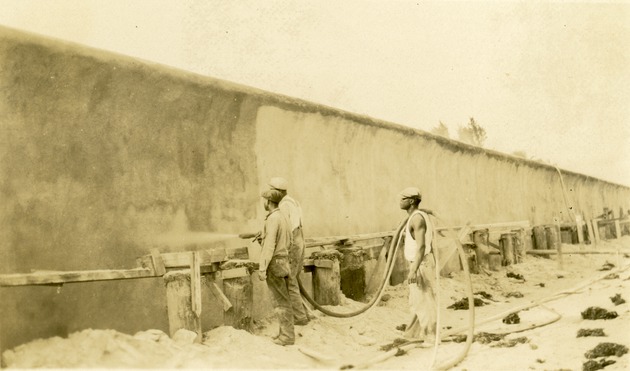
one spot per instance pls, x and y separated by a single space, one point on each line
347 172
98 153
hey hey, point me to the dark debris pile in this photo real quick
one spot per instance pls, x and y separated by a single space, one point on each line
617 299
584 332
595 313
512 319
463 304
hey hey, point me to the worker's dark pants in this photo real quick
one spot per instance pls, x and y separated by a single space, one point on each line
296 257
278 283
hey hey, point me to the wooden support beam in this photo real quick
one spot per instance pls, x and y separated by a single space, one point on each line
157 262
400 270
617 229
507 248
179 303
53 277
591 232
216 290
327 284
319 241
579 252
596 236
234 273
206 257
579 222
239 291
195 283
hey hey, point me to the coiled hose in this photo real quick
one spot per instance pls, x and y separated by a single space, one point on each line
391 253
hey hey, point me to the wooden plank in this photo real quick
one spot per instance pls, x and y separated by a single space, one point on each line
308 262
158 263
501 225
234 273
195 283
585 252
48 277
323 263
216 290
207 257
318 241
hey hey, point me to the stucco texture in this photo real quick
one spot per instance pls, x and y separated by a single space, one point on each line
100 152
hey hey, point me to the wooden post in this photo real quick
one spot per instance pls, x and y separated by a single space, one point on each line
596 238
519 246
480 239
326 277
471 258
494 259
401 267
352 273
579 222
591 233
540 238
240 293
179 304
507 248
195 283
375 269
553 236
617 229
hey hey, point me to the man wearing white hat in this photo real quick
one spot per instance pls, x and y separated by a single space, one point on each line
292 210
274 264
418 236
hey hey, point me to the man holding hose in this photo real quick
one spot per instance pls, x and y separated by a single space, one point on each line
418 251
290 208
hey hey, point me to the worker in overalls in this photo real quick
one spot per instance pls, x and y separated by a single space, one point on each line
418 251
290 208
274 264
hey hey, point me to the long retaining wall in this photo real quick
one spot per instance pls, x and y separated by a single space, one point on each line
99 153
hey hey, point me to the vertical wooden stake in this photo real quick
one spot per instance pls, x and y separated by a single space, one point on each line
591 233
179 304
579 222
195 283
507 248
617 229
596 236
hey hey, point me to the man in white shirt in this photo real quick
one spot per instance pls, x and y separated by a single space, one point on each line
292 210
418 236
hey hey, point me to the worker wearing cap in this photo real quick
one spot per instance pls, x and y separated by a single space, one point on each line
292 210
418 236
274 264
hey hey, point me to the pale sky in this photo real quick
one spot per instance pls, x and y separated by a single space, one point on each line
548 78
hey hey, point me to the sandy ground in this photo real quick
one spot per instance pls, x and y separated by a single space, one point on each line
353 341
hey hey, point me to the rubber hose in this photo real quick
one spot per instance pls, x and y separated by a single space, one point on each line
393 248
471 314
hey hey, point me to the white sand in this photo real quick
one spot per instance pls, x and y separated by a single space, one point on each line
357 339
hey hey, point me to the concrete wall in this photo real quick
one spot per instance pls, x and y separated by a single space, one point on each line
99 153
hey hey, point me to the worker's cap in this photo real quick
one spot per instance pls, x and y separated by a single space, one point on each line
272 195
411 192
278 183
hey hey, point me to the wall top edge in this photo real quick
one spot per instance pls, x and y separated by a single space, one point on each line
270 98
